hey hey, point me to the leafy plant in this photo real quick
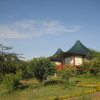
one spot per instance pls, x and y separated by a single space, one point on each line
41 68
11 81
67 73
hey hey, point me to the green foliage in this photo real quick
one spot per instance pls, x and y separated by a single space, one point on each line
49 92
9 67
11 81
95 54
52 69
22 67
67 73
41 68
92 67
8 63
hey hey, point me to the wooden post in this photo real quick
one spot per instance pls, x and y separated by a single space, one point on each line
82 60
63 61
74 60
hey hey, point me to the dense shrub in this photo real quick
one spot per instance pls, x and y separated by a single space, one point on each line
22 66
95 67
41 68
92 67
67 73
11 81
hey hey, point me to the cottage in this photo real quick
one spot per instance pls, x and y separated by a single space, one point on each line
57 57
76 55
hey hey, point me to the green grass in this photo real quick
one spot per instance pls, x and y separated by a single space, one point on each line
88 79
35 91
42 92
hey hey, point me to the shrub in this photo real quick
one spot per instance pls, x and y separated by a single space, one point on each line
22 67
67 73
95 67
11 81
92 67
41 68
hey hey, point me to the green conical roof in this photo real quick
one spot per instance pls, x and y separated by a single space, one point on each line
79 48
59 51
57 55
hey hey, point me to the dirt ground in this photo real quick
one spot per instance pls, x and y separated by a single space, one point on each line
93 96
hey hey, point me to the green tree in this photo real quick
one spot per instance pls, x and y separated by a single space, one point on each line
10 63
41 68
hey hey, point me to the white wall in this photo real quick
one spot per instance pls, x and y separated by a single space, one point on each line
57 63
78 60
69 60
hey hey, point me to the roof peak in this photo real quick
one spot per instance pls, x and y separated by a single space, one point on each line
78 41
59 51
79 48
58 54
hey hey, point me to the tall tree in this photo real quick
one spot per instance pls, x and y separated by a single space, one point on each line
41 68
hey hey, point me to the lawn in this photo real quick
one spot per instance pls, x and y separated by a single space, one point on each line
35 91
43 93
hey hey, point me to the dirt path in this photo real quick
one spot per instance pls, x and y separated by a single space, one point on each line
94 96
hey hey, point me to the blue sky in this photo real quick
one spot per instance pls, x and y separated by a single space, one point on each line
39 27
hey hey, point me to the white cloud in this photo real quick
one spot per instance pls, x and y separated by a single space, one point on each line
32 28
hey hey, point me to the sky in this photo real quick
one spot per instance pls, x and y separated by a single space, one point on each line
38 28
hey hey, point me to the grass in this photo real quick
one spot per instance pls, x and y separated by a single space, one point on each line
86 79
36 91
43 93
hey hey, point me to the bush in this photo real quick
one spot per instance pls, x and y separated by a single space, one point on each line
22 67
95 67
92 67
11 81
41 68
67 73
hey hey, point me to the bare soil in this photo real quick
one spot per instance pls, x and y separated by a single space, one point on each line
94 96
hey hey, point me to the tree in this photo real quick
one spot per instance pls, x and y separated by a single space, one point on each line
9 62
41 68
2 59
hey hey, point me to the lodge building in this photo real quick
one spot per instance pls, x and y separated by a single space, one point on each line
75 56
